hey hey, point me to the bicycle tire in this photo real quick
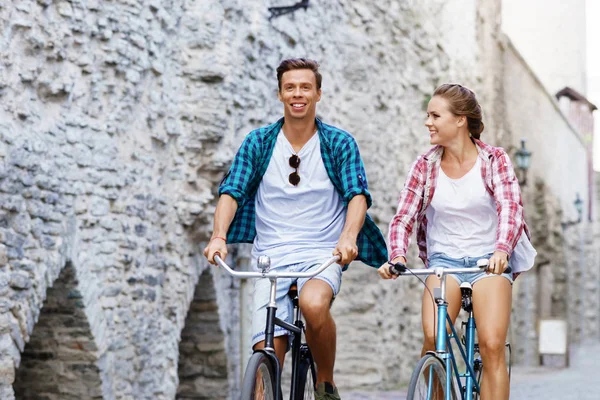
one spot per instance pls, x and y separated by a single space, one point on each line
259 372
478 378
306 381
418 387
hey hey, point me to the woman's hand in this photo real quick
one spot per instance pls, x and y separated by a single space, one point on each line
384 270
498 263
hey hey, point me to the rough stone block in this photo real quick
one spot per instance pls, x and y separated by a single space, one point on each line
7 372
3 256
20 281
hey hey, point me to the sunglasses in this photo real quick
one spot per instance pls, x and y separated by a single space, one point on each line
294 178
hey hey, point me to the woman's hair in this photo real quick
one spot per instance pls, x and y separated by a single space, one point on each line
298 63
462 101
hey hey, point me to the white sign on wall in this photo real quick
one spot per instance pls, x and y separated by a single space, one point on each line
553 336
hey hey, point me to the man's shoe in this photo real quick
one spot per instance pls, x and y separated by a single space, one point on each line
326 391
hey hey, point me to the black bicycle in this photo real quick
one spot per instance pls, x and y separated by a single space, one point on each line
262 379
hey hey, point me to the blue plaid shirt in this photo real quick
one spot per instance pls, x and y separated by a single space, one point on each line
343 164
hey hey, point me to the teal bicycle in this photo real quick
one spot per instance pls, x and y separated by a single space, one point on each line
437 375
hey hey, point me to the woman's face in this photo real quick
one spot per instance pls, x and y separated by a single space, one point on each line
444 127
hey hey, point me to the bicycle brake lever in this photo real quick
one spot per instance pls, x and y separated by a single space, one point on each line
397 268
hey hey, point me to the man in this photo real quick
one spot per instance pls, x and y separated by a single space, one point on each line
297 189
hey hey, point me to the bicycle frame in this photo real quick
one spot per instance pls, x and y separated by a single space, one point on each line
269 348
443 344
445 352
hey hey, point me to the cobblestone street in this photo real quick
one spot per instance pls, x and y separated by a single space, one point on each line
579 382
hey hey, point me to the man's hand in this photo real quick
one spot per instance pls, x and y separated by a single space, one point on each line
498 263
347 250
384 270
216 246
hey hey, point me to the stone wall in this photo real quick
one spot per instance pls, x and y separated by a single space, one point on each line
110 126
118 120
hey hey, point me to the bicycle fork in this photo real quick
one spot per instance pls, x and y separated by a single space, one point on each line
269 349
441 345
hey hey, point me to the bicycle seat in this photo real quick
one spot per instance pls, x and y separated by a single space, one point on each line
465 286
466 290
293 292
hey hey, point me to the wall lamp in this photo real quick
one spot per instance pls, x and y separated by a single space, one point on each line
278 11
579 207
523 159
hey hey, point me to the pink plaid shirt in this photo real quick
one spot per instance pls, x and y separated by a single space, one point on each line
500 181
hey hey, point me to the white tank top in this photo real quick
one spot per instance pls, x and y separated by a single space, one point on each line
297 223
461 219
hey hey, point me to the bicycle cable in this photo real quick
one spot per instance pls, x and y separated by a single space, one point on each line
430 295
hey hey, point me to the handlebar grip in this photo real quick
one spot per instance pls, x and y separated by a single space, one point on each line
397 268
483 263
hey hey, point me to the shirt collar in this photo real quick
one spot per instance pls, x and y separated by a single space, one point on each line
275 128
435 153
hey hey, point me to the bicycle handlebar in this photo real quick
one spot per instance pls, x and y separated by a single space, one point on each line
401 269
266 273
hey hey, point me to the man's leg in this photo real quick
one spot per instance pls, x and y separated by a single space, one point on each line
262 288
281 346
315 301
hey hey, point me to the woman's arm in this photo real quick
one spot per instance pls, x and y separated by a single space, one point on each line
509 204
409 205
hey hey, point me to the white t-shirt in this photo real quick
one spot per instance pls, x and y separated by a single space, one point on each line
297 223
461 219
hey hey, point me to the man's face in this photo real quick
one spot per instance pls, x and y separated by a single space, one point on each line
299 94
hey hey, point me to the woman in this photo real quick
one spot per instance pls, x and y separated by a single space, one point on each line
466 200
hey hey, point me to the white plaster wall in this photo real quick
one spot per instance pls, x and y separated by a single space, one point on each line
559 156
551 35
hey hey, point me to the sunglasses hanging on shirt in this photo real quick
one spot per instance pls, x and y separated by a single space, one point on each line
294 178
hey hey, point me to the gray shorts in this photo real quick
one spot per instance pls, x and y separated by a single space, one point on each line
260 298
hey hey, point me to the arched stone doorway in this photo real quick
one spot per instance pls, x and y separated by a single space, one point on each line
59 362
202 358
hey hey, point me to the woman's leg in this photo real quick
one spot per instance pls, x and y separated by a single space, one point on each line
429 309
492 301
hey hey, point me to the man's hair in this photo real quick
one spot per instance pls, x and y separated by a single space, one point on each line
298 63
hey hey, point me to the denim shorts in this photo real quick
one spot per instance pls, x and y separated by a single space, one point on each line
445 261
285 308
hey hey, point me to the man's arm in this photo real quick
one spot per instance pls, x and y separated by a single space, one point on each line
232 194
355 218
226 208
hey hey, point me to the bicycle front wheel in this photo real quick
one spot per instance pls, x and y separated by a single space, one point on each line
259 379
306 381
428 381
